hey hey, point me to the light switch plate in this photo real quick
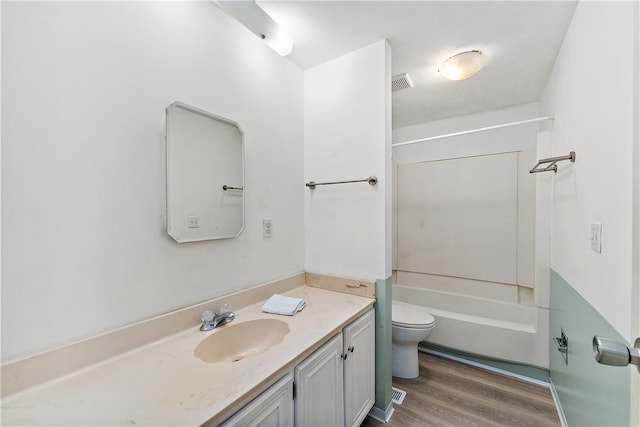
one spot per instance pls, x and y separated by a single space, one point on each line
596 237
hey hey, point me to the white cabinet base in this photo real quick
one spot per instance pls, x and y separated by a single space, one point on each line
319 387
335 385
273 408
359 368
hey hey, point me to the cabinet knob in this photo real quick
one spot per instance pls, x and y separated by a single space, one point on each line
351 349
344 356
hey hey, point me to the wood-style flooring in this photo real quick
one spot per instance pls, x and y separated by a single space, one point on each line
449 393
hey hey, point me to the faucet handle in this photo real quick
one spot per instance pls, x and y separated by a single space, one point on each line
225 309
207 316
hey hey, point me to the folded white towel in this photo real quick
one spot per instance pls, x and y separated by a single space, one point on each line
279 304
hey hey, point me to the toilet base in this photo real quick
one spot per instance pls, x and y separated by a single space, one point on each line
405 361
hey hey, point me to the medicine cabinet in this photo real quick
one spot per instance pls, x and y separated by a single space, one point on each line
205 175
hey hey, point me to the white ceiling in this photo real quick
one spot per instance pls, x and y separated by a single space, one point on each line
521 39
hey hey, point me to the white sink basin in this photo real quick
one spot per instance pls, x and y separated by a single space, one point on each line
236 341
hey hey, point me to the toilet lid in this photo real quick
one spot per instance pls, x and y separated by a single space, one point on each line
409 317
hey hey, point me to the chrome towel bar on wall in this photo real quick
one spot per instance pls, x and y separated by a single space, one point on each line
552 163
372 180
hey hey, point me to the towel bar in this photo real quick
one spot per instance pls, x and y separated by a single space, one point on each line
372 180
552 163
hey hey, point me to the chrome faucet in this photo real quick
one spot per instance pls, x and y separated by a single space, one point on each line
212 320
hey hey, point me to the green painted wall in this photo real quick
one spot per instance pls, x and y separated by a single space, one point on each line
383 345
590 394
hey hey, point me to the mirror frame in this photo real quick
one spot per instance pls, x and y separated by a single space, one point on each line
172 231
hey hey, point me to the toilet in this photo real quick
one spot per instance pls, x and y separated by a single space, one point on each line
410 325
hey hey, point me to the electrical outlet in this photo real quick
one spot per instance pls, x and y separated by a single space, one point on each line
193 222
596 237
267 227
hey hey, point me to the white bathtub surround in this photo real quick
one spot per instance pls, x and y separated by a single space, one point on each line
458 217
499 329
471 236
165 384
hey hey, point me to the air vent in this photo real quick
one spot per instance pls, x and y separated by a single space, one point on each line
397 395
401 81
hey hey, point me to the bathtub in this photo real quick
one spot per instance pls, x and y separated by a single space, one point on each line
488 327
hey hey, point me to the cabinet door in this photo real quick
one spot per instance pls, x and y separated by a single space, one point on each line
359 368
273 408
319 387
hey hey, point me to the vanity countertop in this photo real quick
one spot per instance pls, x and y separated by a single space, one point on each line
164 383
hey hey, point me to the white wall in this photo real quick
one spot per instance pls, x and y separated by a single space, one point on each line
85 85
347 137
635 296
590 93
594 93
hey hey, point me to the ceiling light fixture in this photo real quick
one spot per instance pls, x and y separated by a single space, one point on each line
252 16
463 65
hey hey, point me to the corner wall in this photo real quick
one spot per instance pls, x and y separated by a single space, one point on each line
595 109
84 89
347 136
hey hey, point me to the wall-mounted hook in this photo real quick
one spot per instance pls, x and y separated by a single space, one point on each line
562 343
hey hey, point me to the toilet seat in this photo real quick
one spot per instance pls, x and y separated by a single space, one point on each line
409 317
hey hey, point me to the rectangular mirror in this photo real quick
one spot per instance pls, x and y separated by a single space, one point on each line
205 175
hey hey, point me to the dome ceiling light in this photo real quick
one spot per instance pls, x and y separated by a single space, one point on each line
463 65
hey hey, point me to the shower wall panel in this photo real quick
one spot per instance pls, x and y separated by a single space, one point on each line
459 218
